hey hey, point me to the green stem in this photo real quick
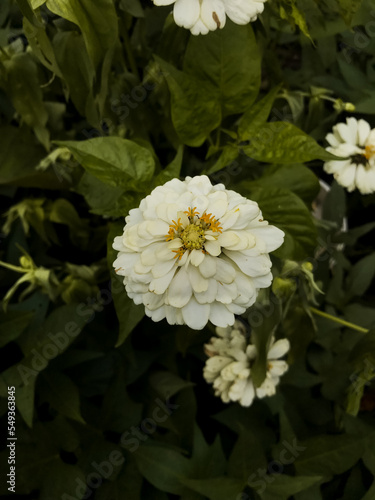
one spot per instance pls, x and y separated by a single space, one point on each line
338 320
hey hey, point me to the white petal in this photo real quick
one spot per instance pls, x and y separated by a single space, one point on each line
278 349
220 315
180 289
212 247
160 285
197 257
197 281
208 266
252 266
196 315
248 394
186 13
363 132
213 14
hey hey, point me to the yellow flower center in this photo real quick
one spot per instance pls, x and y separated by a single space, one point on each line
192 235
369 152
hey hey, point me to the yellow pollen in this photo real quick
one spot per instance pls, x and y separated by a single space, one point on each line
193 235
369 152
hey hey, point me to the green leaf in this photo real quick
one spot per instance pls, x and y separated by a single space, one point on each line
167 383
282 487
256 115
361 275
294 16
107 200
348 9
23 87
283 142
229 60
163 467
243 461
61 482
216 488
118 162
63 395
327 455
13 323
78 72
297 178
98 23
129 314
288 212
194 105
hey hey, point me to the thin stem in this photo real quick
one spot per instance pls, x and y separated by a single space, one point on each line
338 320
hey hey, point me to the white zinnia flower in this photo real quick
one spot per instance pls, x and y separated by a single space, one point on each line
202 16
193 252
229 365
355 140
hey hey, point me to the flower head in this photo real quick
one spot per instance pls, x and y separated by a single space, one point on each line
202 16
231 357
193 252
355 140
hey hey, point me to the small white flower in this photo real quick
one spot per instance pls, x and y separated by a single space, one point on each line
355 140
228 367
193 252
202 16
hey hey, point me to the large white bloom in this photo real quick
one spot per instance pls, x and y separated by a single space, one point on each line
202 16
355 140
228 367
193 252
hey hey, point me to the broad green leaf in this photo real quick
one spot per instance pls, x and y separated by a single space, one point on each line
37 3
282 487
287 211
283 142
129 314
132 7
63 395
297 178
118 162
118 411
97 21
327 455
78 72
216 488
194 105
228 155
12 324
23 87
229 60
163 467
256 115
361 275
107 200
243 461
